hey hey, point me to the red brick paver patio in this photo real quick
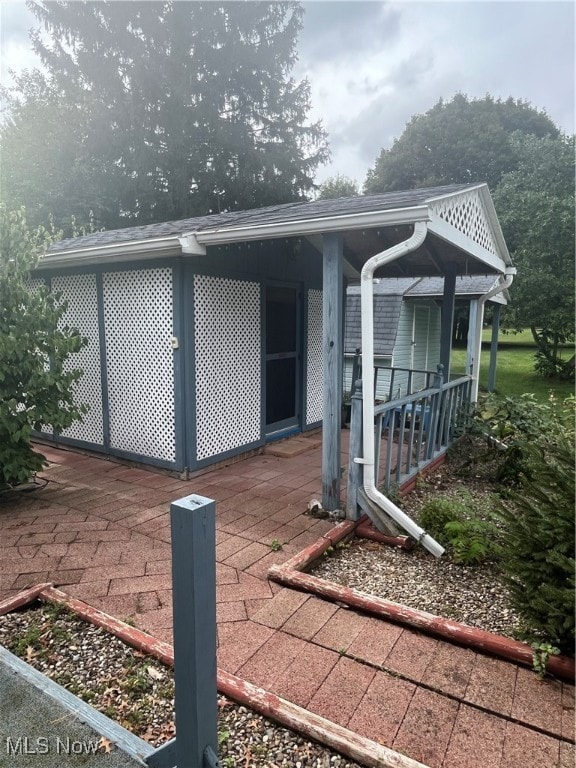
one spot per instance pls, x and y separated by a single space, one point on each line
100 531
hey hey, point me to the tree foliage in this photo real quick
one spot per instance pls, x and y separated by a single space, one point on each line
338 186
170 110
529 166
535 203
457 142
36 382
538 531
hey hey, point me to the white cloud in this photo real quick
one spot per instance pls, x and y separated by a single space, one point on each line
430 51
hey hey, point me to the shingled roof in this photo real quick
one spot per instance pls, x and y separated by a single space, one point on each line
288 212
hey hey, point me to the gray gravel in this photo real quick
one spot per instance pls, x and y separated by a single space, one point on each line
138 692
473 596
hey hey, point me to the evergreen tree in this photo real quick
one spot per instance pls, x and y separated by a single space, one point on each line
189 107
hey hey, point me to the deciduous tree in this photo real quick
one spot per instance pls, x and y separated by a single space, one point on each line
36 382
457 142
338 186
535 205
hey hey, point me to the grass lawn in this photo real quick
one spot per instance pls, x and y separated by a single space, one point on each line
515 374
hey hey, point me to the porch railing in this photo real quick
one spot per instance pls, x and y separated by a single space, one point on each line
412 430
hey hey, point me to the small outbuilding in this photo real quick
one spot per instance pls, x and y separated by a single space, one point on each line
211 336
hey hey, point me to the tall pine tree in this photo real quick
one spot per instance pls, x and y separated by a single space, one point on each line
187 107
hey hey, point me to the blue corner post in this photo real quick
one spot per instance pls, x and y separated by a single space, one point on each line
193 528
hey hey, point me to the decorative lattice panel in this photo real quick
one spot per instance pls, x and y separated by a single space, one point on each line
140 372
227 337
80 293
315 367
465 213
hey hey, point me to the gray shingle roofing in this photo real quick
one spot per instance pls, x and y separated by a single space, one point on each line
268 215
388 297
465 285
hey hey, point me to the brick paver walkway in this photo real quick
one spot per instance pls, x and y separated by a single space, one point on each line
100 531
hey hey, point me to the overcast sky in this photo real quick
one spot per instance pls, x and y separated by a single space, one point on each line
372 65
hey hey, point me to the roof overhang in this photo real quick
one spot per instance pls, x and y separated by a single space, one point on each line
453 220
134 250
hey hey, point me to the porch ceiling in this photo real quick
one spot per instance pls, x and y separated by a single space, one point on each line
432 259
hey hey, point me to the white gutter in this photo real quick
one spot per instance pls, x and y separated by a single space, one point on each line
336 223
367 309
477 348
133 249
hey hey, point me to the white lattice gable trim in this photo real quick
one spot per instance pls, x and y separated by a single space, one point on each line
466 212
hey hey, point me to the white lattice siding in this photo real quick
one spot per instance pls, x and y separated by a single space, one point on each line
465 213
80 293
138 325
315 366
227 338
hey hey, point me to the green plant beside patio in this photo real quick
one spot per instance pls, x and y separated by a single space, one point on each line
36 381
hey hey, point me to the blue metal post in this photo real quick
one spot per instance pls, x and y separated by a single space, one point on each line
355 474
193 529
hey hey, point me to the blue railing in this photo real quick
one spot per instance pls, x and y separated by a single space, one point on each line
413 430
410 431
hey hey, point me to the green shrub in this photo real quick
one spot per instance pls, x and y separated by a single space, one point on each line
472 540
436 513
461 525
538 554
36 384
510 425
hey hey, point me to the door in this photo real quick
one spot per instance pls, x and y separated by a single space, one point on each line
282 358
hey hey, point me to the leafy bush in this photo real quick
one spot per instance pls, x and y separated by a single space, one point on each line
472 540
458 523
510 425
36 385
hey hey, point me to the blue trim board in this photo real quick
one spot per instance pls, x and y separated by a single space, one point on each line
179 357
189 376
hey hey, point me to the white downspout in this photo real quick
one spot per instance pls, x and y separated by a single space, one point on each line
367 309
496 289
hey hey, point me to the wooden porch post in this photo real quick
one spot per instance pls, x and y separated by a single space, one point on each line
472 320
332 351
447 320
494 348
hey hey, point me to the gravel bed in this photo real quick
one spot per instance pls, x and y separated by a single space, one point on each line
138 691
473 595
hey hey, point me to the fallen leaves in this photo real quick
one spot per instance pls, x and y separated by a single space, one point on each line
105 745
